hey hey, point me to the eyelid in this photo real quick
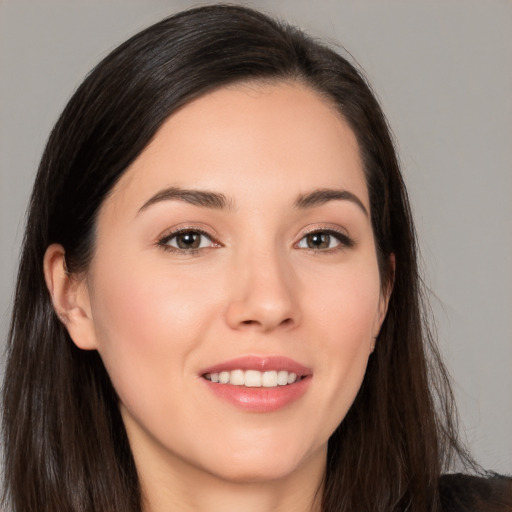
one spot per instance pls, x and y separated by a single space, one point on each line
314 228
189 226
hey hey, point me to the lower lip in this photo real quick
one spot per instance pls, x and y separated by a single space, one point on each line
260 399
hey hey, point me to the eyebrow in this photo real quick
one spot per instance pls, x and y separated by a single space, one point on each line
218 201
202 198
321 196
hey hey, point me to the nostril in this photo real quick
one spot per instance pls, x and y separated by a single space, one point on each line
285 322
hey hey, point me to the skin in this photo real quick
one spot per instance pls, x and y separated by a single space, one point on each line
257 286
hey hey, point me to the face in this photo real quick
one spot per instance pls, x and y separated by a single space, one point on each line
234 293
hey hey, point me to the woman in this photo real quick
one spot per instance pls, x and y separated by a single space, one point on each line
220 272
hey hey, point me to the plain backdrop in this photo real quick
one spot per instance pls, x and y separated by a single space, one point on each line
442 70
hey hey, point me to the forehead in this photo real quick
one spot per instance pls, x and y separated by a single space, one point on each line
247 139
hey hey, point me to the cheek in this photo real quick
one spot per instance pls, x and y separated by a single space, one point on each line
347 313
147 322
348 304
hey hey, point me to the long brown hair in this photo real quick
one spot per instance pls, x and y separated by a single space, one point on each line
66 448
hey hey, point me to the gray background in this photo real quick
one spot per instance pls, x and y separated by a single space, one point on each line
442 70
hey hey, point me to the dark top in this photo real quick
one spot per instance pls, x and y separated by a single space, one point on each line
465 493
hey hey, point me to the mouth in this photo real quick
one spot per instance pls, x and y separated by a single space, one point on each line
254 378
258 384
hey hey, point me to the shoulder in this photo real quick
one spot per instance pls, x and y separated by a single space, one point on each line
467 493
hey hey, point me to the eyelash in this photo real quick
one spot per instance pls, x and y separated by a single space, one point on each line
345 242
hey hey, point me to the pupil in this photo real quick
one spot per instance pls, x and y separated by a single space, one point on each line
188 240
318 241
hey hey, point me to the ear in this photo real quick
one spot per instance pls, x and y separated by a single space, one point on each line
384 300
70 298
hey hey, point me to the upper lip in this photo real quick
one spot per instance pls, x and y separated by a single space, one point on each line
260 363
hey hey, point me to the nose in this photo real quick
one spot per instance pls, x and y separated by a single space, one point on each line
264 294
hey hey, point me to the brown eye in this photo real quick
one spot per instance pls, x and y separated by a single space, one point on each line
325 240
318 241
187 240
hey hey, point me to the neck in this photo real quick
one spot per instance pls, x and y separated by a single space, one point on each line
188 489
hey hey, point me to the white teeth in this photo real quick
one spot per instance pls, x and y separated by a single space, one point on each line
237 378
282 378
269 379
254 378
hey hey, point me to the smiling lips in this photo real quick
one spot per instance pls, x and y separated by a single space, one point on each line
258 384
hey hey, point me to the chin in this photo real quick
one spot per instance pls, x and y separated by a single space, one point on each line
255 473
259 465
